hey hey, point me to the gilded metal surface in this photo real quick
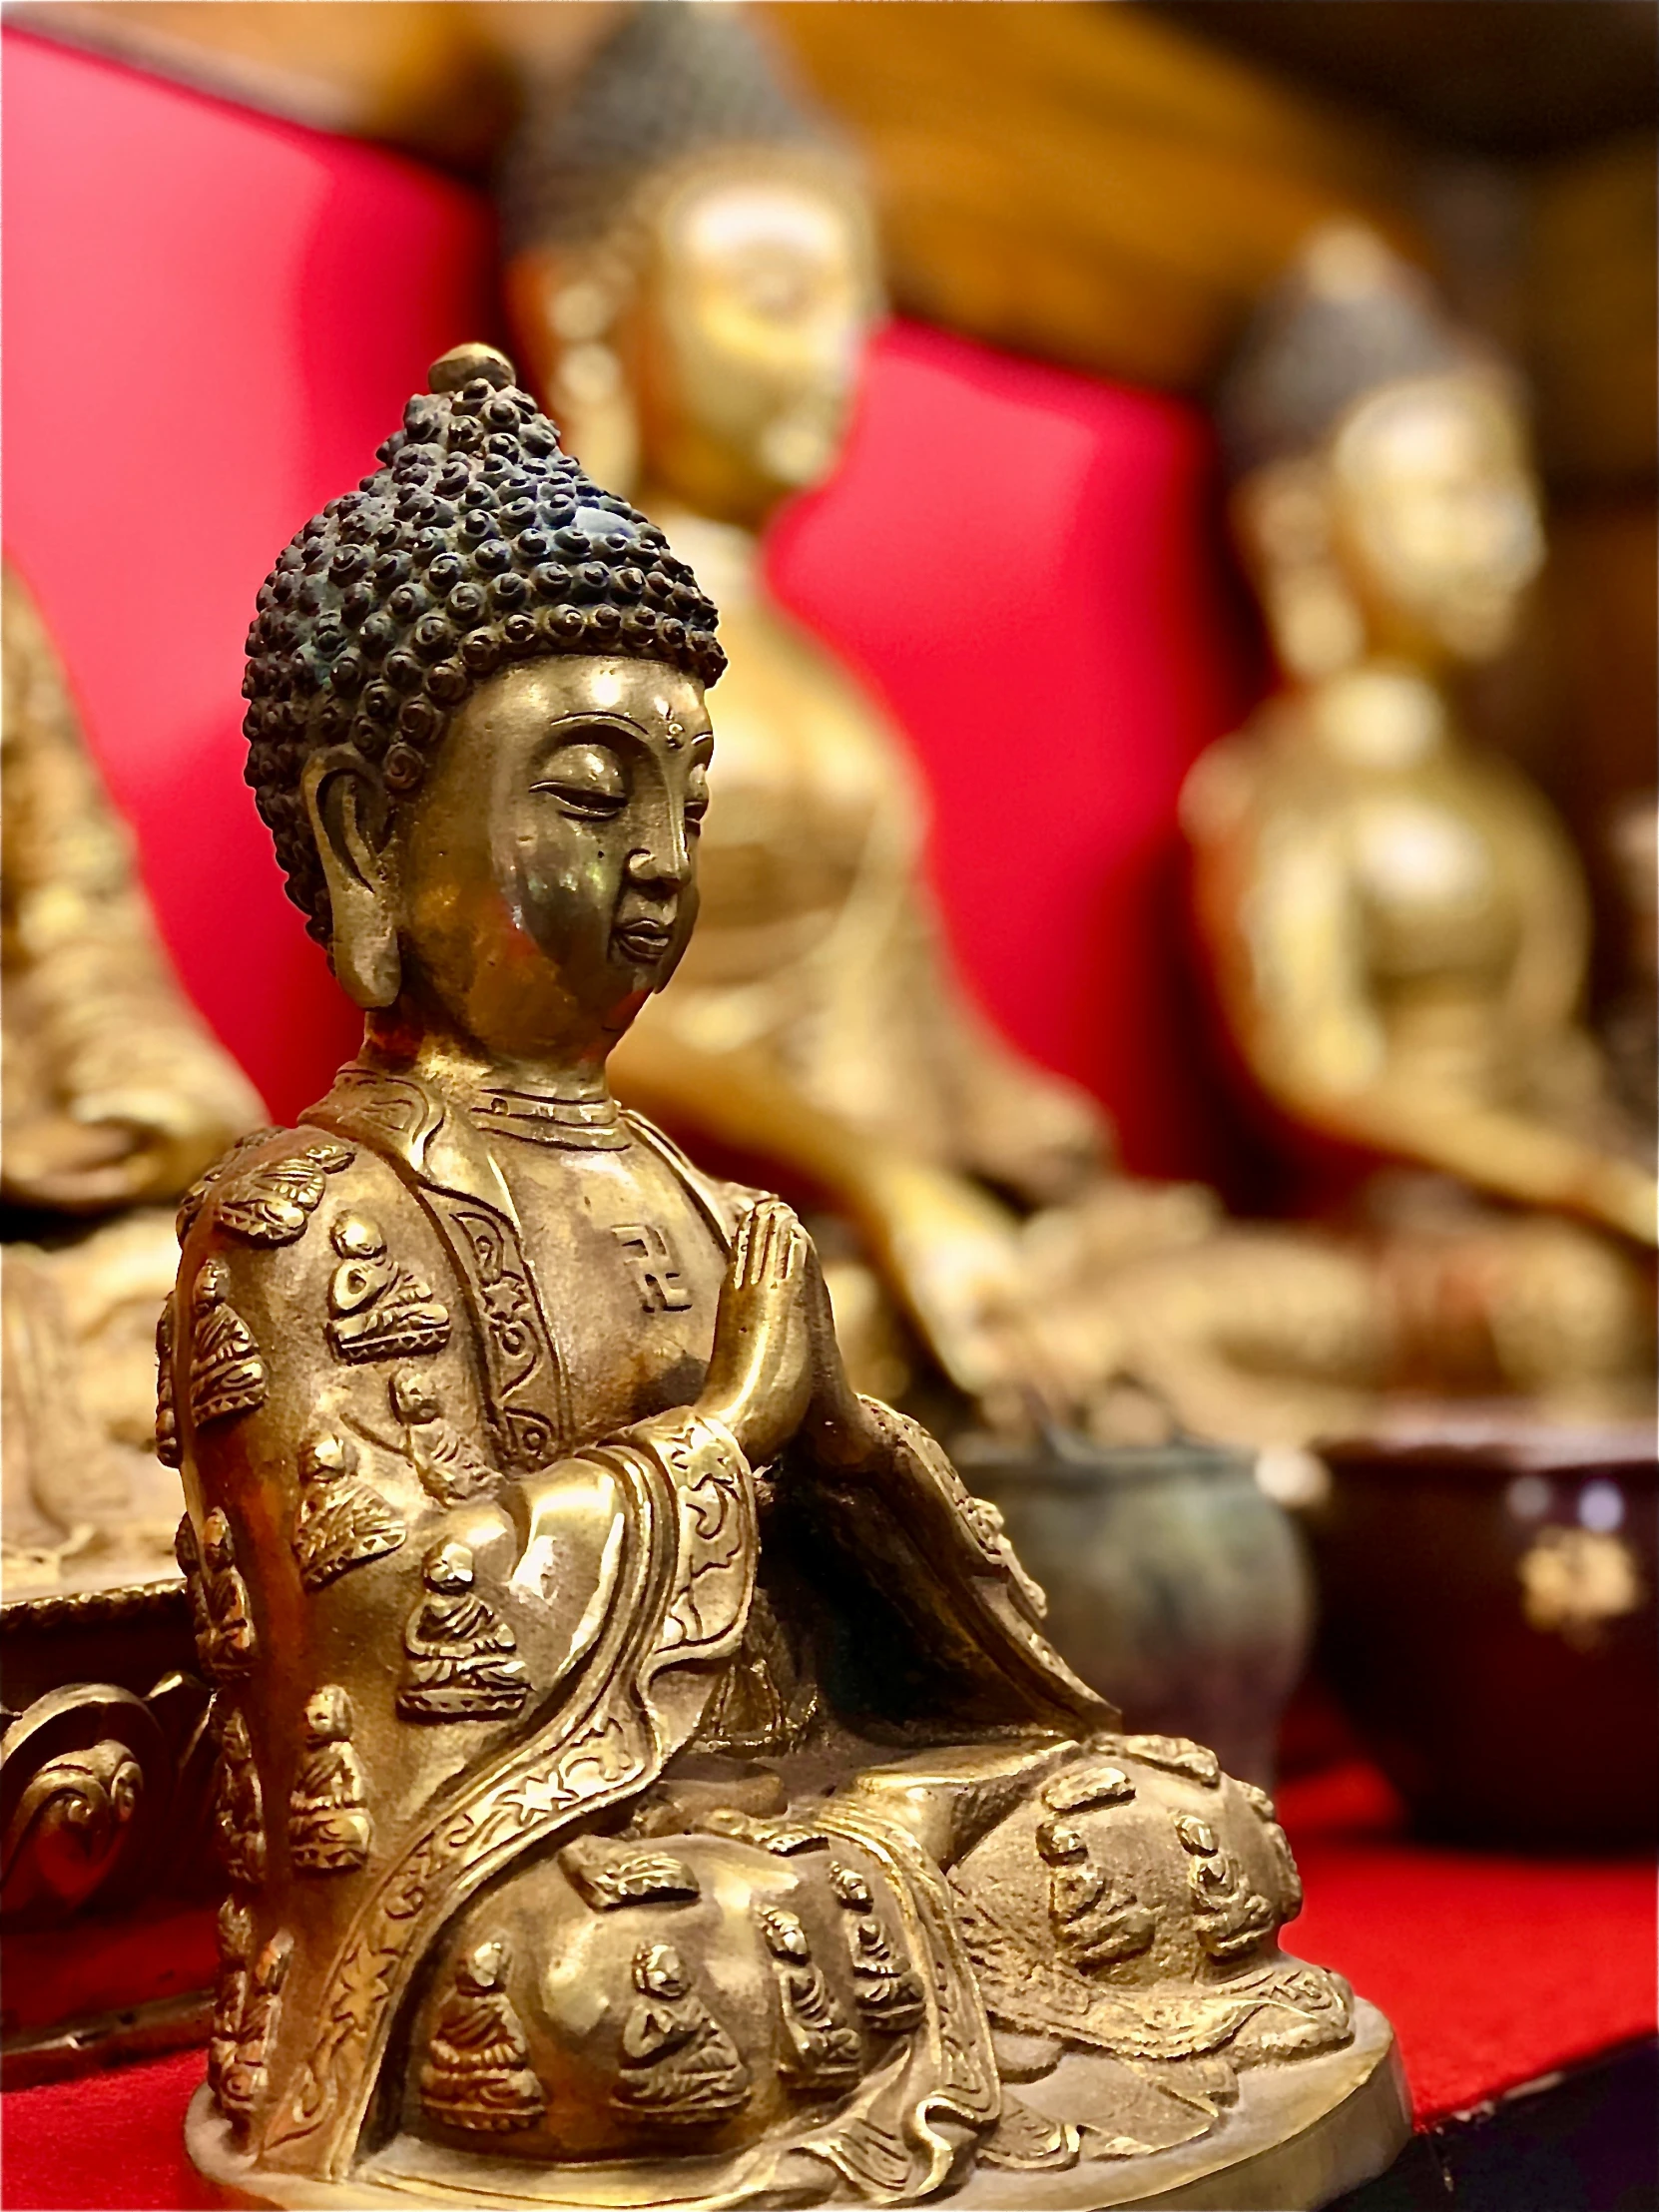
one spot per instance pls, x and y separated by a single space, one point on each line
665 1815
693 279
1396 921
114 1098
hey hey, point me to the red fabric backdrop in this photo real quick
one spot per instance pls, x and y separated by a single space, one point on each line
214 319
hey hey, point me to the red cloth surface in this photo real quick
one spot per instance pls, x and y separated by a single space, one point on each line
1493 1969
213 317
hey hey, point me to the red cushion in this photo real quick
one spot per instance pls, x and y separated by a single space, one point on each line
213 319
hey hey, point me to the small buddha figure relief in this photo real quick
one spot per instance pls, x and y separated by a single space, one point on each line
329 1825
226 1374
1230 1916
1289 1882
1394 920
680 2067
450 1471
381 1310
231 1639
273 1201
243 2080
477 2074
116 1095
888 1996
188 1554
607 1877
1086 1789
239 1808
1097 1920
498 840
340 1523
462 1660
1170 1754
235 1957
824 2051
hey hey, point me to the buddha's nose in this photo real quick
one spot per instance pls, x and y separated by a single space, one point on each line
665 863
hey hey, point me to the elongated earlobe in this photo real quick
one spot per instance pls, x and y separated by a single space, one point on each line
1282 519
363 934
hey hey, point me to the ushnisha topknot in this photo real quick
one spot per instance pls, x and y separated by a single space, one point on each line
677 79
476 543
1348 316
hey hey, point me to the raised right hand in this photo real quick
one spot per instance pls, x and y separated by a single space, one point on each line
760 1369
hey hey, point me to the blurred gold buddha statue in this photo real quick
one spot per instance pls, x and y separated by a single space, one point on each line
685 1809
1395 920
115 1097
692 277
1632 1025
693 280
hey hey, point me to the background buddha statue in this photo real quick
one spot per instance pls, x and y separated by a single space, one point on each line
692 277
574 1923
1394 920
116 1097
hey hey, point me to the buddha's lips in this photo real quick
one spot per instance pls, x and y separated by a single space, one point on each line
644 941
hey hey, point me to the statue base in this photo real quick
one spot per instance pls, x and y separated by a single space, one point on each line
1298 2135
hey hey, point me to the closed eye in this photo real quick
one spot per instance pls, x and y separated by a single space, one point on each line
582 799
587 780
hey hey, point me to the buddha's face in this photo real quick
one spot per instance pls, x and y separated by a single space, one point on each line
449 1569
659 1972
543 878
750 330
1434 514
328 1716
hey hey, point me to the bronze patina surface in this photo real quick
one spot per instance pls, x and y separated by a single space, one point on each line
643 1777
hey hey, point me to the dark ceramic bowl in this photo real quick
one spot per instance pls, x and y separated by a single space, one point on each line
1487 1619
1175 1587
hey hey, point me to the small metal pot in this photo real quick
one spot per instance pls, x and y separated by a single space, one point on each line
1487 1620
1174 1587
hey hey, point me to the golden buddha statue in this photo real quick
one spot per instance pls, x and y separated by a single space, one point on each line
692 277
116 1096
696 1836
1396 921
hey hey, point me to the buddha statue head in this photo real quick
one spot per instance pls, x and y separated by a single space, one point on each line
690 267
477 734
1385 497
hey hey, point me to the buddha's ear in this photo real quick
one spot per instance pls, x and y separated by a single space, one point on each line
1283 517
344 806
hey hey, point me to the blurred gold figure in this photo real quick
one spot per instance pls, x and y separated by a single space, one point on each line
1397 923
114 1098
694 297
692 277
